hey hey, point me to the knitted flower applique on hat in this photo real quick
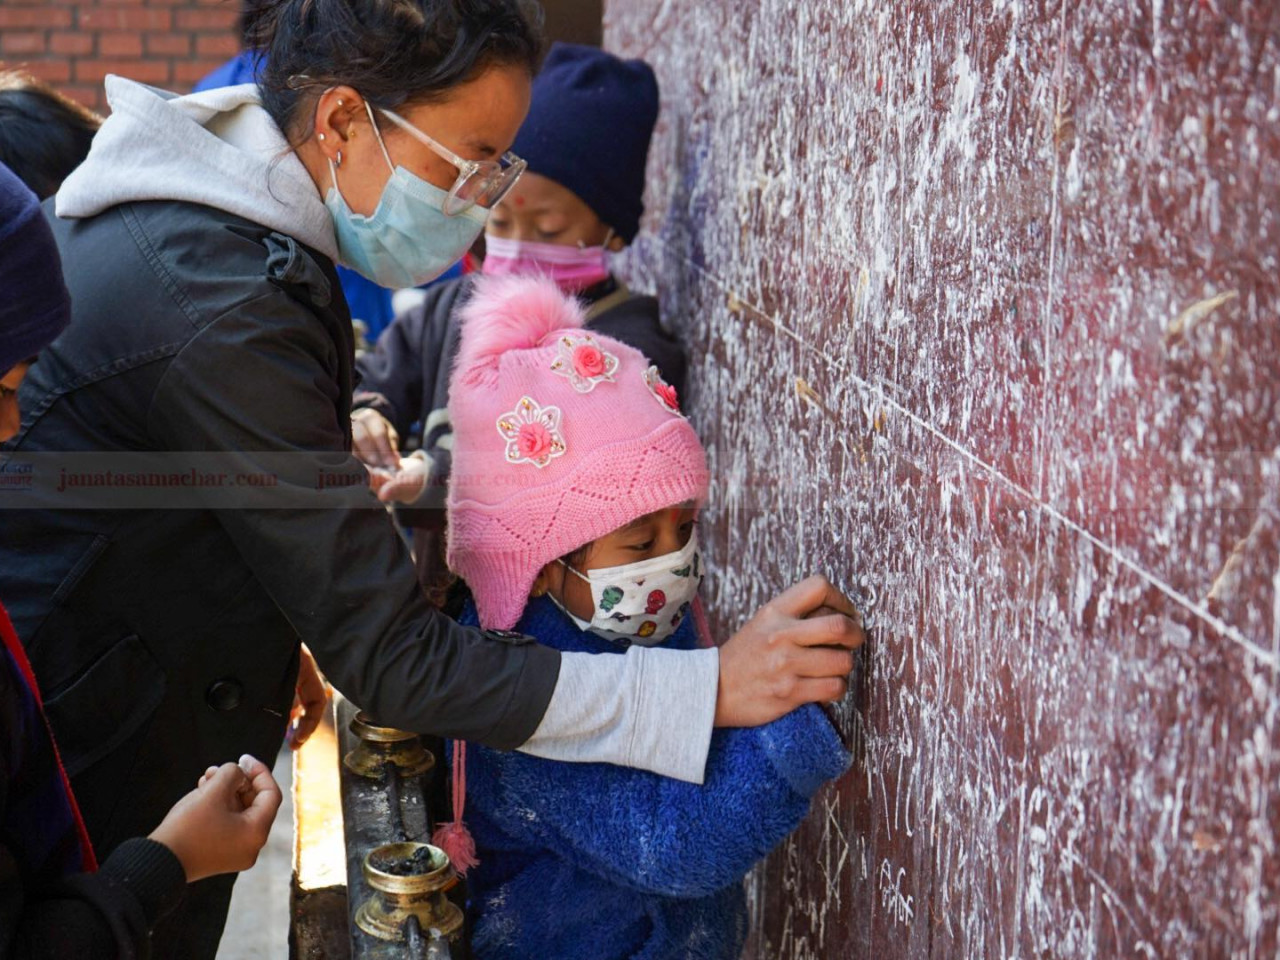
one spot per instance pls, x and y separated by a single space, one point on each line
583 362
532 433
662 391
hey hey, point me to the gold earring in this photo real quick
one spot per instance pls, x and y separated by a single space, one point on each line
539 590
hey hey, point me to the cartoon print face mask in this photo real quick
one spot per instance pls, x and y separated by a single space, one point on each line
642 603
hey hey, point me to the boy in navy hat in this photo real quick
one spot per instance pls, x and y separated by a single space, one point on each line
586 139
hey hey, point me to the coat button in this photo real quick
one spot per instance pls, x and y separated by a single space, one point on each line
224 694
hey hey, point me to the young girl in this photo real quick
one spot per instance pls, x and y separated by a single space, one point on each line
572 518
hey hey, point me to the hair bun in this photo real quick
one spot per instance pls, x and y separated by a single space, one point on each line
510 313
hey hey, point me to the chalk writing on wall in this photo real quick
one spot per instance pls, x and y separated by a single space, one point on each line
983 304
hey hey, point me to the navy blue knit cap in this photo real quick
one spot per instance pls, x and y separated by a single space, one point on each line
34 304
589 127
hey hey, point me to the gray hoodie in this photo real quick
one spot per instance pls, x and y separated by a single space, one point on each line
218 148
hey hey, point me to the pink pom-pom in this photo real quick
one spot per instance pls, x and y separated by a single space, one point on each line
456 841
510 313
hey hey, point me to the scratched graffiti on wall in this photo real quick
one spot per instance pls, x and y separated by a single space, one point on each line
983 302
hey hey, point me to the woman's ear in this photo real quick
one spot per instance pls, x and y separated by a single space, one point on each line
337 111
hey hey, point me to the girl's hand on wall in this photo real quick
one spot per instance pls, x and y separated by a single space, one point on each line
790 653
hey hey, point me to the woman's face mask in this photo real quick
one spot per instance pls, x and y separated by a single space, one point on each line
645 602
409 240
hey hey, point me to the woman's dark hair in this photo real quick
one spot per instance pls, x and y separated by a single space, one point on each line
392 51
43 135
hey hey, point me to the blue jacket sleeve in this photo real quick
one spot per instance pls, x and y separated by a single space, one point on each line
668 837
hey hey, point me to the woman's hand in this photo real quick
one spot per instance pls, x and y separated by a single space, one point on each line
311 695
788 654
374 440
221 825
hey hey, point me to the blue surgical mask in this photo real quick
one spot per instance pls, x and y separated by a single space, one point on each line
409 240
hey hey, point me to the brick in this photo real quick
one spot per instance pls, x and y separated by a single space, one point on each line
82 93
145 71
33 18
50 71
217 45
168 44
124 18
23 42
212 20
119 45
187 72
70 43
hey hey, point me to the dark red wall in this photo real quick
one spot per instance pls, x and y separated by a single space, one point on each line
984 303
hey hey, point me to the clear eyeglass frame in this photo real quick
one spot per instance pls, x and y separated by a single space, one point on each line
480 182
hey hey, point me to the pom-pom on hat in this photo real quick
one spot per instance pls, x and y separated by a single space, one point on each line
560 436
590 121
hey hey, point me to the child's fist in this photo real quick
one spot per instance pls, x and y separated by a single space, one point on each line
221 825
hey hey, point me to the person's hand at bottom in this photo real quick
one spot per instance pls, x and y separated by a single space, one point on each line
221 826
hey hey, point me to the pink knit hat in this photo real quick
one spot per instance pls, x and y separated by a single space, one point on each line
560 436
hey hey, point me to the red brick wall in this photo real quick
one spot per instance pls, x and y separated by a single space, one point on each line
74 44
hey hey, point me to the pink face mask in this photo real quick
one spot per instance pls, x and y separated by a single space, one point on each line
572 268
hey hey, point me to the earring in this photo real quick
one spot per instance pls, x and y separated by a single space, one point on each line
338 162
341 103
320 137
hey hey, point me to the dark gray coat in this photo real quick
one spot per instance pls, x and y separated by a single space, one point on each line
167 639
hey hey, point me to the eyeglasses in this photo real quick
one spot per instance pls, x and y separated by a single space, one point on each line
482 182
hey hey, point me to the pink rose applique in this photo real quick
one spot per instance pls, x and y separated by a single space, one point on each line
588 360
533 441
662 391
582 361
532 433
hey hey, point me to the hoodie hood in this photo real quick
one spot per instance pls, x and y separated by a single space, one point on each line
219 148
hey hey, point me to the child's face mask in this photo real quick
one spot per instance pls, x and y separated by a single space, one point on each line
645 602
572 268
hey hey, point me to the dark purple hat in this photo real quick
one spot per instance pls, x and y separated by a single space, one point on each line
34 304
588 129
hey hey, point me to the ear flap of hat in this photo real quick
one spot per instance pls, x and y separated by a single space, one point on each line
509 313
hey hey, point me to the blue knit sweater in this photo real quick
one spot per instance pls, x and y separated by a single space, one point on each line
596 862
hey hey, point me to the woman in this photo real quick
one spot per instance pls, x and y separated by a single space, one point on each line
199 240
54 899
